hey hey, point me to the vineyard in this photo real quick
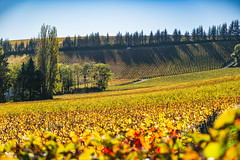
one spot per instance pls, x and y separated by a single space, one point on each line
164 60
155 119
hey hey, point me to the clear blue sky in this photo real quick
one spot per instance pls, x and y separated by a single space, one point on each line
22 19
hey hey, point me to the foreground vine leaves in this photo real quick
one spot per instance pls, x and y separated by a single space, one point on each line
124 138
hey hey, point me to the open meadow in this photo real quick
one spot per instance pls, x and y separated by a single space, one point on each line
157 118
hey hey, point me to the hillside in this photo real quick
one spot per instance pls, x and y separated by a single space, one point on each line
156 61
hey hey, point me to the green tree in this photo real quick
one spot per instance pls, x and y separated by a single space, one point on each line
176 36
157 37
68 43
66 78
223 31
187 37
107 40
77 71
194 35
236 54
103 75
21 82
150 40
31 79
4 78
85 71
47 59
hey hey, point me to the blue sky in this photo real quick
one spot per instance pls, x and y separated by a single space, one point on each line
22 19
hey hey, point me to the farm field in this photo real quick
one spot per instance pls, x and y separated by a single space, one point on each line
152 119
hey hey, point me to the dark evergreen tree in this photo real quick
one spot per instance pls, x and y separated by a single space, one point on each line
209 33
150 41
7 47
97 39
79 41
175 35
67 43
86 41
75 41
107 40
21 82
92 42
127 39
141 38
145 39
22 46
4 78
200 33
166 38
230 31
194 37
236 30
135 39
213 33
204 36
187 37
223 32
157 37
119 39
16 47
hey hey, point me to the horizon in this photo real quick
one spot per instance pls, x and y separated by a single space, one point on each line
22 19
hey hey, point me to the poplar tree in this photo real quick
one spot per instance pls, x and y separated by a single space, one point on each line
47 59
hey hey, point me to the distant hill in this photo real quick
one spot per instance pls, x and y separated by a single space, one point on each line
144 62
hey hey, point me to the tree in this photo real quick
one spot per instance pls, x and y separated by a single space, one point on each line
236 54
67 43
7 47
236 30
176 36
85 71
47 59
127 39
32 82
150 41
77 70
230 31
79 41
4 78
107 40
21 82
135 39
157 37
103 75
66 78
165 36
119 39
141 38
187 37
213 33
194 35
